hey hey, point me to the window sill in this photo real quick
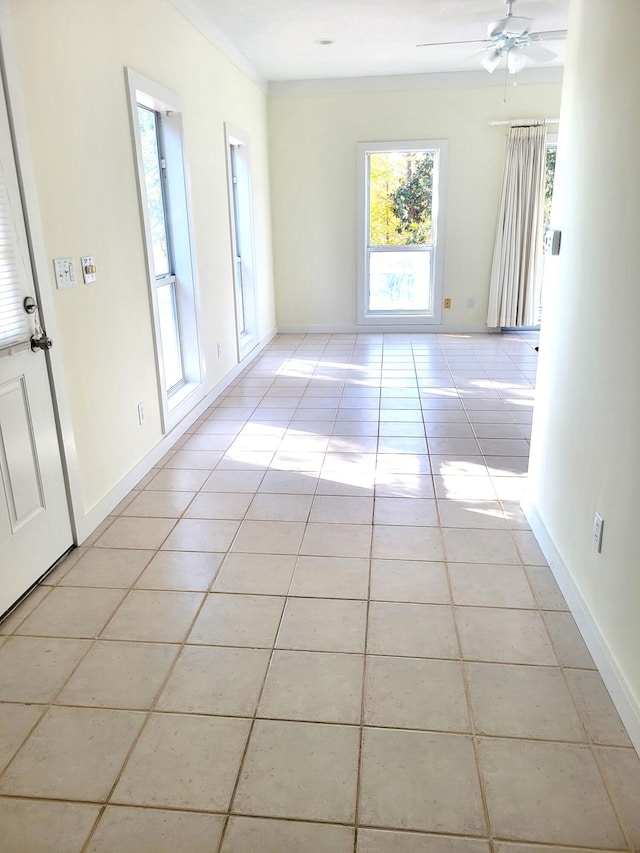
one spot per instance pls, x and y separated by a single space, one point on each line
180 403
401 318
246 345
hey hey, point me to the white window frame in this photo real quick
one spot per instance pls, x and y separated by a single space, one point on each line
403 318
176 402
552 142
241 220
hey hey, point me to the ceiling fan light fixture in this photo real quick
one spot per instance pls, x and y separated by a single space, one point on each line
491 59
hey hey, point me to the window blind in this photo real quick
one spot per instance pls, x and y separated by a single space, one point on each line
14 321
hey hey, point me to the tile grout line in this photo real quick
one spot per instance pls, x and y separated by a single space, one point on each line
52 703
254 717
589 740
147 716
472 725
358 792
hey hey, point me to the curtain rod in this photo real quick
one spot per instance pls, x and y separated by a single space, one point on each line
524 121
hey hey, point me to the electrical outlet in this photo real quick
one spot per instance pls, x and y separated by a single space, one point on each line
141 413
447 303
598 529
471 302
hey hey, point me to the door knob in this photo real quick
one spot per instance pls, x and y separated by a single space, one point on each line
42 342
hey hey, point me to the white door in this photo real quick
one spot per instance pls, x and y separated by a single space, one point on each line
35 528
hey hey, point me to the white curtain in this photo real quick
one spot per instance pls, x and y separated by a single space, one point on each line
516 272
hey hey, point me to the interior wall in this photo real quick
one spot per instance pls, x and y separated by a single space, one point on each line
585 454
313 142
71 56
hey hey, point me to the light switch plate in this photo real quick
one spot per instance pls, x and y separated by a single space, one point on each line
598 530
88 269
65 270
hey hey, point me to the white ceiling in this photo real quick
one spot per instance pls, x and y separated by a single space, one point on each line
277 38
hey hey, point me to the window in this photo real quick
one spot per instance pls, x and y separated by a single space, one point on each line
239 172
549 176
15 323
157 127
401 194
549 179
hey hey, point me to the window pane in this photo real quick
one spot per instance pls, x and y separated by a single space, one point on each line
240 307
549 176
400 197
169 334
147 121
400 281
15 324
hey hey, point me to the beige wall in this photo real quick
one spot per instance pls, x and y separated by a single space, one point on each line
313 174
586 448
71 58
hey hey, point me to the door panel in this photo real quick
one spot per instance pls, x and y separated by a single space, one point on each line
19 456
35 528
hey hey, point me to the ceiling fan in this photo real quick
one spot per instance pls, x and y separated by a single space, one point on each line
510 37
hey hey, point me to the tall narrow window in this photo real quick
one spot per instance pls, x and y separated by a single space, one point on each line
241 300
549 176
549 179
157 124
149 123
401 215
242 240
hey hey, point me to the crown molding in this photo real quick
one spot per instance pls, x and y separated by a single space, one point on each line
412 82
194 13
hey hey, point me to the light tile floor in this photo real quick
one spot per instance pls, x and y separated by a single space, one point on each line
321 625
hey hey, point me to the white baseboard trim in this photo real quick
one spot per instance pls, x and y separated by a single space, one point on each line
387 329
97 514
622 696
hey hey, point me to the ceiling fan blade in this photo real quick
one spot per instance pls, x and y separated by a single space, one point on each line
548 35
448 43
510 27
541 54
